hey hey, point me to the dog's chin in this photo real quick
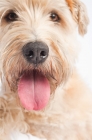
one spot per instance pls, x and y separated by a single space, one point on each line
33 90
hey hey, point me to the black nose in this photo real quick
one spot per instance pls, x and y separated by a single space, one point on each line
36 52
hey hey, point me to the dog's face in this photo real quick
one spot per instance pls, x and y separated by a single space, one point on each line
38 46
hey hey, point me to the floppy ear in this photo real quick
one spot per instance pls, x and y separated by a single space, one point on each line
79 13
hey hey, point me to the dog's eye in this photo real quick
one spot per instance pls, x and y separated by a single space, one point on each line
10 17
54 17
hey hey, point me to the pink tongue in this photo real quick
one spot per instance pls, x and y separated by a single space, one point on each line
34 91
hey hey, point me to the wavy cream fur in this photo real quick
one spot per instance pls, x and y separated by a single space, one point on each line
68 115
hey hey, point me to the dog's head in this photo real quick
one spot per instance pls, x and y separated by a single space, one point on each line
38 46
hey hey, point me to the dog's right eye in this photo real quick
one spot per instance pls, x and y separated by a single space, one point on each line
10 17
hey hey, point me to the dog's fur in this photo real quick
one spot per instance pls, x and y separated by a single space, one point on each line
68 115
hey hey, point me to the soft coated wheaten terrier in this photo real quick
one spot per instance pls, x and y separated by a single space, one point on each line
41 92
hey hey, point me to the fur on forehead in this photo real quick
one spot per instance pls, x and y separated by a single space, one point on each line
26 5
39 9
45 4
77 8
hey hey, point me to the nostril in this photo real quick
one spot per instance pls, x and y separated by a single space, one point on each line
35 52
43 54
30 54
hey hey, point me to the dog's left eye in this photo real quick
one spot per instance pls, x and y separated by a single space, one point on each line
54 17
10 17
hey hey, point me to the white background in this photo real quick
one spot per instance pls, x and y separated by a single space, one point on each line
85 57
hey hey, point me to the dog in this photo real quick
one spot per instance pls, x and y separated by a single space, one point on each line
41 92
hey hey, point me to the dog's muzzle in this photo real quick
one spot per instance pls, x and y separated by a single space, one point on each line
35 52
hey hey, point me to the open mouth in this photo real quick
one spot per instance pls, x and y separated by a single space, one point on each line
34 90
